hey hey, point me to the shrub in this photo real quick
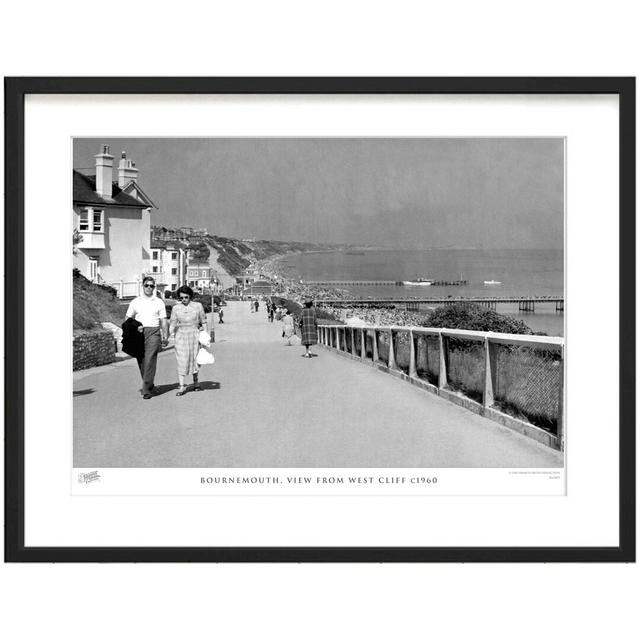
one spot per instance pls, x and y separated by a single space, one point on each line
474 317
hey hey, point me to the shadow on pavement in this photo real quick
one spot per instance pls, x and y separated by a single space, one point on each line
161 389
207 385
83 392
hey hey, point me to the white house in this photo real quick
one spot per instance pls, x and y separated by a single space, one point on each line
113 220
169 263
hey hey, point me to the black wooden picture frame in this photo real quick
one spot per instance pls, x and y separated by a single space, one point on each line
16 89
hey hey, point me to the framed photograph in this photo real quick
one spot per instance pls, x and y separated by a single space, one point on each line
320 319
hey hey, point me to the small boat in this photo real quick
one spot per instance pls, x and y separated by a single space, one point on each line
492 282
418 282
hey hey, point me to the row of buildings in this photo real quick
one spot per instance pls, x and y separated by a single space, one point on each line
116 244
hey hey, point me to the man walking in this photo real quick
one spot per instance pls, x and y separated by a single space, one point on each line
149 310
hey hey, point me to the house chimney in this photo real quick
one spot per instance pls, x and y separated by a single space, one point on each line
104 172
126 171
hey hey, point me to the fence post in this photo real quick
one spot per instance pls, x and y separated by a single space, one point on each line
487 394
392 354
363 344
412 356
337 338
442 373
121 289
560 427
375 345
353 342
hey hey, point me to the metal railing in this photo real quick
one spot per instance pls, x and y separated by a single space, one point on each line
520 376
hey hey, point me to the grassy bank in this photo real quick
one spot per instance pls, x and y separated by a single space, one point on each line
93 304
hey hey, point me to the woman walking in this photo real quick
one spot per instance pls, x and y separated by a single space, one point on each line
287 327
308 327
186 320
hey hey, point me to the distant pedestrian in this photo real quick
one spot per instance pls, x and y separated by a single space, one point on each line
288 327
308 327
271 312
150 311
187 318
256 305
220 316
252 306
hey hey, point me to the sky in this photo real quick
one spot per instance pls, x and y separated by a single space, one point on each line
413 193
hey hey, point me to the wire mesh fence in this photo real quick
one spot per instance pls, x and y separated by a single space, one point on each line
428 357
402 349
526 380
465 366
383 346
527 383
346 334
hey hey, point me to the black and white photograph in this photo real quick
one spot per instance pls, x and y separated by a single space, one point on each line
336 303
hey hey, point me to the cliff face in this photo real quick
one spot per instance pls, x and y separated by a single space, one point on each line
230 255
234 256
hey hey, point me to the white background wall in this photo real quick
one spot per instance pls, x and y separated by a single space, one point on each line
334 601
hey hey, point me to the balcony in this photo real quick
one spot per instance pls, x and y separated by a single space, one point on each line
92 240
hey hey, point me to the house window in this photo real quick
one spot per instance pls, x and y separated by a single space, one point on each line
97 220
155 269
174 272
174 255
155 255
204 273
84 220
174 287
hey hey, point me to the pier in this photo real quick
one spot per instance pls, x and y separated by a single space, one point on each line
381 283
525 303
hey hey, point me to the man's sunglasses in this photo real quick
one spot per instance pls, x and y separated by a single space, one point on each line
149 285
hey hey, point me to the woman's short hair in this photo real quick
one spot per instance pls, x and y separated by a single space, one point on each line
186 290
308 304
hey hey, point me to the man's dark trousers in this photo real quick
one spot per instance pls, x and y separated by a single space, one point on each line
147 363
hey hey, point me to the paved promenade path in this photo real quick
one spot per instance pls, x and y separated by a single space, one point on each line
263 405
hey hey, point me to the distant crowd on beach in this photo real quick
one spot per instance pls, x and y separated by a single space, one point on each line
298 292
376 317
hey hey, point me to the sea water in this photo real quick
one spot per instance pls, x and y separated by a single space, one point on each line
521 272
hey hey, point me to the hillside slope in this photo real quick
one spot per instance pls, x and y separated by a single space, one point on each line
93 304
234 255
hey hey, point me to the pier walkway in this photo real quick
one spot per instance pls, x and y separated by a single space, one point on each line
263 405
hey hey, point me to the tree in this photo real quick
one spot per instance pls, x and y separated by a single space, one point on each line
76 240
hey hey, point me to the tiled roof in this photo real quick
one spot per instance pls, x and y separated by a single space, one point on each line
84 191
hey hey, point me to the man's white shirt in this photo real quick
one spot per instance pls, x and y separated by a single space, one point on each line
147 310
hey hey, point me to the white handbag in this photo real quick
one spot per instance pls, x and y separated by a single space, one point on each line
205 357
204 338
